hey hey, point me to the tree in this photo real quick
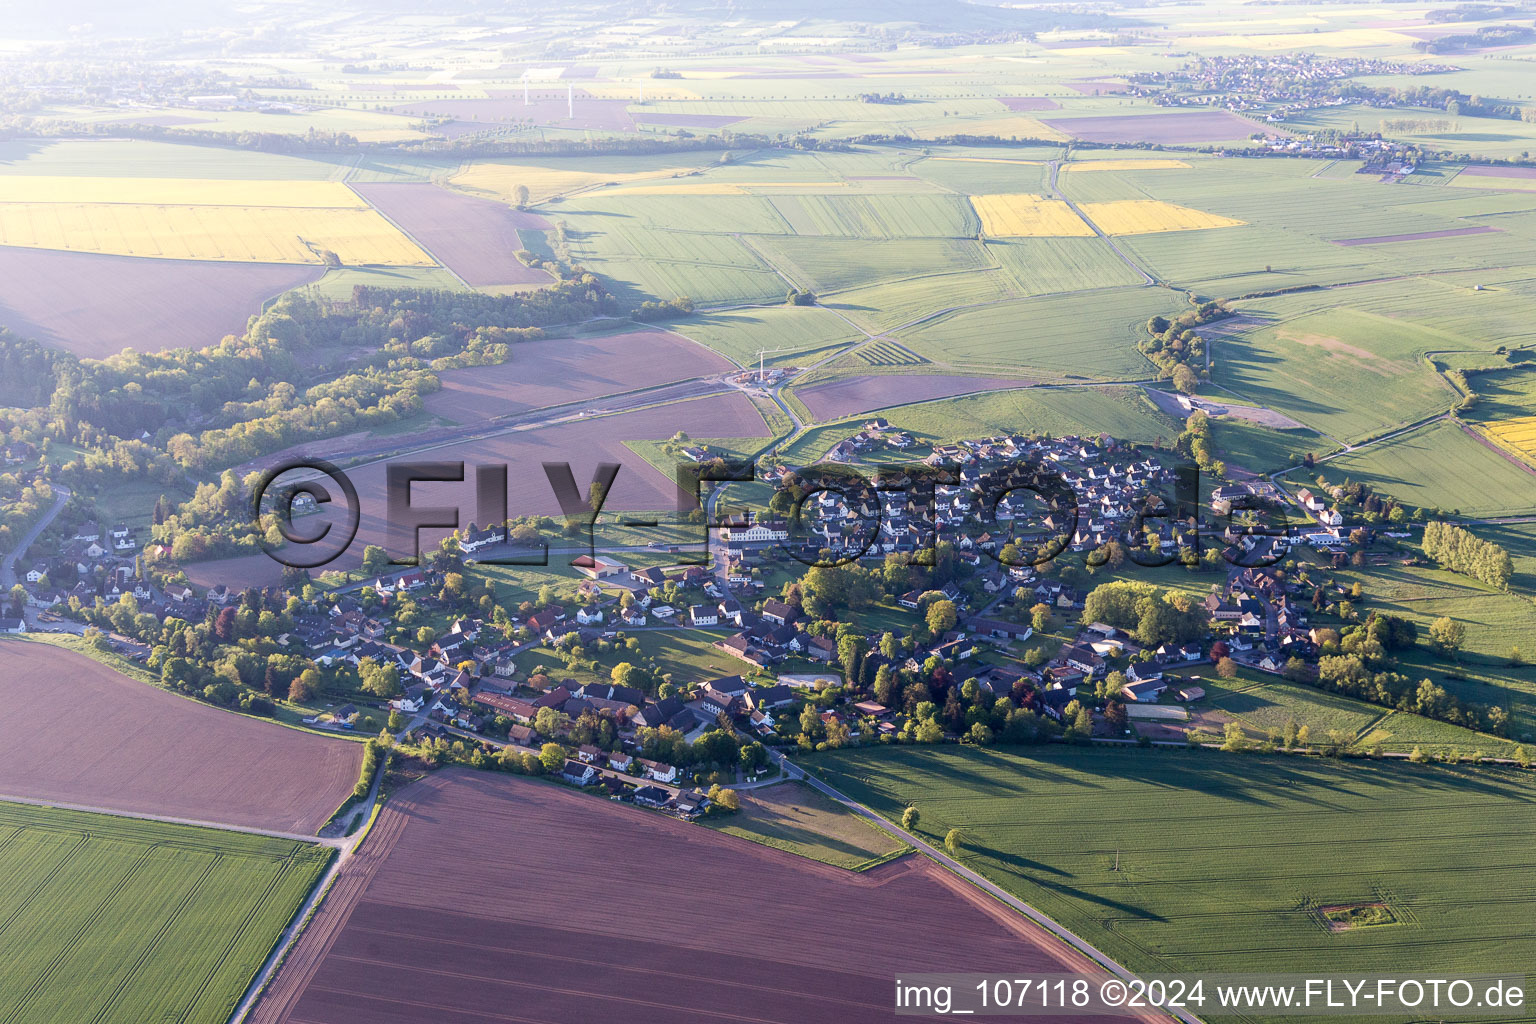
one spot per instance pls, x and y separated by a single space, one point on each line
727 800
522 195
909 818
552 757
1040 617
1233 737
953 842
1226 668
941 617
550 722
1448 634
1185 380
375 560
302 689
379 680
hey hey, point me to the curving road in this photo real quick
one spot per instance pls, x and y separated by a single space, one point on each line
8 566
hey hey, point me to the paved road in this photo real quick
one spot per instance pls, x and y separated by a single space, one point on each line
8 566
1002 896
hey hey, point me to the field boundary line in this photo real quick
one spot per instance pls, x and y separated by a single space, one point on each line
980 882
406 234
171 820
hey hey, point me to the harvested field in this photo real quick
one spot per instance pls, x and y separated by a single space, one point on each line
1149 216
1417 236
77 732
1029 103
474 238
1025 215
560 370
850 395
1204 126
95 305
813 944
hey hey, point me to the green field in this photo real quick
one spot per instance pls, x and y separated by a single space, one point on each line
1223 861
1317 365
1088 335
798 333
797 819
115 920
1440 466
1121 412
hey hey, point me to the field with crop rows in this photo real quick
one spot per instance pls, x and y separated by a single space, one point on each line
1150 216
120 921
1443 466
1086 335
830 264
785 334
1179 862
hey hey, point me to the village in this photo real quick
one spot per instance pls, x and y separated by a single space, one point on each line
970 667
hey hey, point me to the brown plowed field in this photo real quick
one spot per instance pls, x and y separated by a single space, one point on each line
850 395
475 238
1202 126
95 305
584 443
484 898
76 732
560 370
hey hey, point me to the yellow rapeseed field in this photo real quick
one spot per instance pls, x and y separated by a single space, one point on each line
1020 213
1518 434
23 188
501 179
1147 216
1149 164
241 233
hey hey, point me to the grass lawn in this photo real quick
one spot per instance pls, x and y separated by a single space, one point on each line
115 920
1225 860
1269 704
794 817
688 655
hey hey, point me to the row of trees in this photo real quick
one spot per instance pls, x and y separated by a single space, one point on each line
1460 551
